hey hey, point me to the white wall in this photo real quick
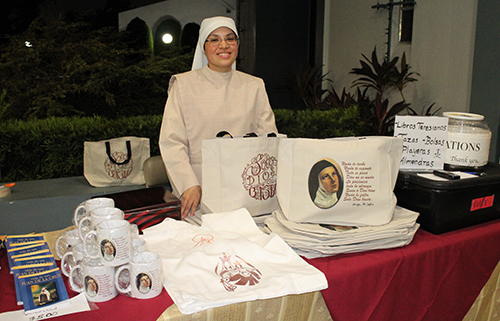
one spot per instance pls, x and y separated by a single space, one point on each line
185 11
352 28
441 51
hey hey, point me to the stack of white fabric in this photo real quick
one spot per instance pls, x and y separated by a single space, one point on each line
227 259
318 240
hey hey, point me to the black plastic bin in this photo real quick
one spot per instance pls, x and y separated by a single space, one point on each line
453 204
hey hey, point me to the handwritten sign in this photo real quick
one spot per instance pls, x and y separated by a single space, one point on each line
424 141
76 304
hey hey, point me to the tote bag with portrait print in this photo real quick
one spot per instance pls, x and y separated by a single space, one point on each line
343 181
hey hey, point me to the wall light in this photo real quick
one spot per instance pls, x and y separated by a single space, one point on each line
167 38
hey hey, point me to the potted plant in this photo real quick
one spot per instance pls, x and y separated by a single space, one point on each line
381 80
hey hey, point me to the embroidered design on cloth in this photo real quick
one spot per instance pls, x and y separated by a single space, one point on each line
201 239
118 171
259 177
239 273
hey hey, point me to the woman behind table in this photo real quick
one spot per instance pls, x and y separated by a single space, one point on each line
210 98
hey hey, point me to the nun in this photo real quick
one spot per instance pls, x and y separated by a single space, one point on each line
211 98
325 183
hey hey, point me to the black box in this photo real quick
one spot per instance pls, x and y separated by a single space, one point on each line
453 204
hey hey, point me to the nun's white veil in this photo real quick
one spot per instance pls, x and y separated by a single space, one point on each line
207 26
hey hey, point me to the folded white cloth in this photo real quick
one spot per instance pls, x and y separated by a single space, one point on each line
318 240
226 260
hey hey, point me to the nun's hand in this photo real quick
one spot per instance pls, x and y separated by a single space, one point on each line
190 200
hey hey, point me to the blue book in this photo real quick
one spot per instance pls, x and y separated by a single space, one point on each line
28 250
42 289
12 241
35 259
29 269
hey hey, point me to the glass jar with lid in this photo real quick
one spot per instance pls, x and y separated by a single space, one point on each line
468 144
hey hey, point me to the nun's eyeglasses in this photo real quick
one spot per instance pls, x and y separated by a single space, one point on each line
216 41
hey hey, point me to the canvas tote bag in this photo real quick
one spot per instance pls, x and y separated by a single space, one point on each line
240 172
116 161
342 181
227 260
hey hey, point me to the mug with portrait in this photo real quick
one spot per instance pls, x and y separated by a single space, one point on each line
111 242
142 278
97 280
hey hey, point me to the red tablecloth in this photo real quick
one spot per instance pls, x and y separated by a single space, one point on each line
436 277
119 308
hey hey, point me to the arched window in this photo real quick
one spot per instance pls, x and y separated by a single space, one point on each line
138 35
167 35
189 36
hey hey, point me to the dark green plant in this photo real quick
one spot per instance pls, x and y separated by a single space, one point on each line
345 100
71 70
330 123
382 79
4 105
427 112
53 147
307 84
138 36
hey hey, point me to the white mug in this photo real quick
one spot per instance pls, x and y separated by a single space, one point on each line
142 278
66 241
97 280
138 245
84 208
134 230
97 216
110 241
71 258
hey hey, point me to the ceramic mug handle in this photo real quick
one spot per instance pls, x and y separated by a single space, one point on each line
87 243
65 262
81 225
120 289
59 240
79 213
72 274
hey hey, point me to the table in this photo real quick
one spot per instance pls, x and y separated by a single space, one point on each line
436 277
127 308
162 308
48 204
487 304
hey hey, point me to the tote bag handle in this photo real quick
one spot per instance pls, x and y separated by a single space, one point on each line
112 160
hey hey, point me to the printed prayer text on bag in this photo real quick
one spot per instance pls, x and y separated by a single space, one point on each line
343 181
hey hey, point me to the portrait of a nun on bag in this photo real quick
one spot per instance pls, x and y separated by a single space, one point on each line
325 183
346 181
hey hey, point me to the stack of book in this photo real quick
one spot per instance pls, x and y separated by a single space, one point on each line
37 278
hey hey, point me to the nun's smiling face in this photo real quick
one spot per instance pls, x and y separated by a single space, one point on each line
329 179
221 49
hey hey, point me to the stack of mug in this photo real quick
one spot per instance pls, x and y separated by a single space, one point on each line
104 255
